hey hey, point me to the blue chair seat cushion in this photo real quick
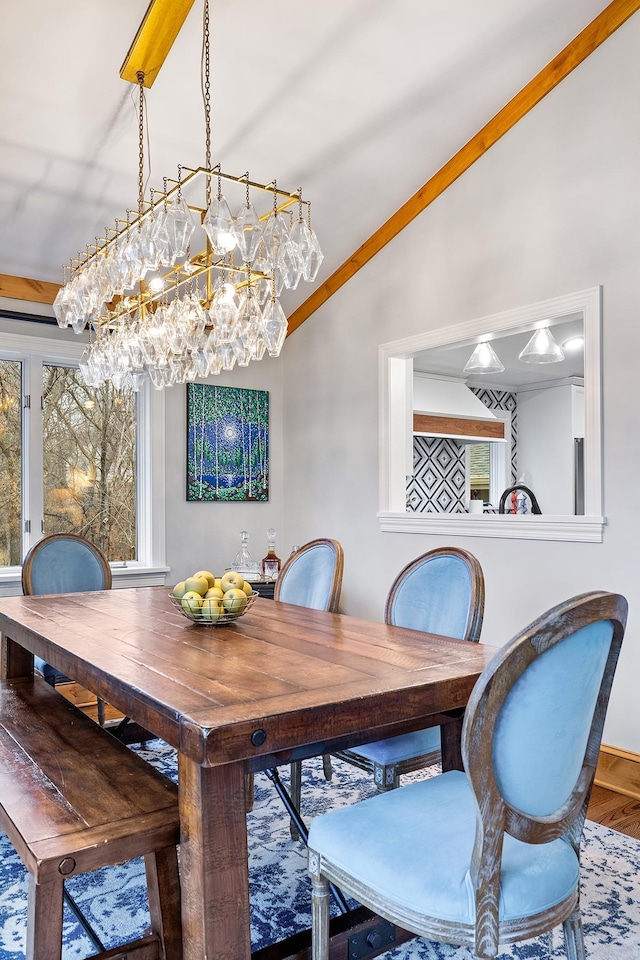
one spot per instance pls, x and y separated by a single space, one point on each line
413 845
405 747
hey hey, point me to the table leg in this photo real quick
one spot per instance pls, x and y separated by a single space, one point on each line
214 869
15 661
451 739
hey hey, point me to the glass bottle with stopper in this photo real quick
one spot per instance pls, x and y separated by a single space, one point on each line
243 562
271 563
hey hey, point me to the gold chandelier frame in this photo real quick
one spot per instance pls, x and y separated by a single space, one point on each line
199 264
159 28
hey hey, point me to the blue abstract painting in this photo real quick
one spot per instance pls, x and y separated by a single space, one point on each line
228 443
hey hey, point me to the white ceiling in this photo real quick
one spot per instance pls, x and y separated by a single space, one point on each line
449 360
357 101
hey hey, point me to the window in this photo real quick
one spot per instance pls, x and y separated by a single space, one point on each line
488 466
88 441
75 459
479 472
583 522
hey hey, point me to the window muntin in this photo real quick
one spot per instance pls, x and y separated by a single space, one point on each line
10 462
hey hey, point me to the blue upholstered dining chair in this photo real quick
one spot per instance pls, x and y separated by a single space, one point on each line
64 563
441 592
490 855
311 577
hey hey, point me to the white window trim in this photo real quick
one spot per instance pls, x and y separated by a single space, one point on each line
150 569
395 361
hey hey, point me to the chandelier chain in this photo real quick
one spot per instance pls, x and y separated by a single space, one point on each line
206 44
141 144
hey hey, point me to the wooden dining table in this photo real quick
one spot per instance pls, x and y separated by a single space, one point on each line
281 682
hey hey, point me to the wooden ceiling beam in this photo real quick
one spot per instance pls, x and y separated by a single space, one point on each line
21 288
159 28
599 30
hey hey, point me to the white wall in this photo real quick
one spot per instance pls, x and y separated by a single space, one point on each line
552 208
207 535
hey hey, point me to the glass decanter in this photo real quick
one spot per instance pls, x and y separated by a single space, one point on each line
243 562
271 563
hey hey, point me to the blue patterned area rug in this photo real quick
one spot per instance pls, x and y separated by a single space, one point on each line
114 899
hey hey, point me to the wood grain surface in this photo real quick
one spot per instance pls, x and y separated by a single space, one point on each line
279 683
301 675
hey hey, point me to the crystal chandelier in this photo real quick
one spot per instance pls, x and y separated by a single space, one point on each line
156 309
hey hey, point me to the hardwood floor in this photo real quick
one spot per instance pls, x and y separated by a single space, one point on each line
616 811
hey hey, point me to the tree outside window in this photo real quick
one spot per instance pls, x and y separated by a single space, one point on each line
89 440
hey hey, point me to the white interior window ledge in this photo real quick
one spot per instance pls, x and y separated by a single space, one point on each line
519 527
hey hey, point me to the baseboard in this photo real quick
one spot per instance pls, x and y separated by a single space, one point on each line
619 770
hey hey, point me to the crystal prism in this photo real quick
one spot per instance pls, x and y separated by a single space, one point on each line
219 226
179 226
314 258
223 306
160 237
290 263
274 327
302 238
275 236
248 231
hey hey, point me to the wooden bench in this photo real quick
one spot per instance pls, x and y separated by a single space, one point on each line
74 799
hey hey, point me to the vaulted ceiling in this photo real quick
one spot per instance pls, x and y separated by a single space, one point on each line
360 102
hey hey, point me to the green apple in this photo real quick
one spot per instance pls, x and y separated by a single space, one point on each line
191 602
218 583
235 600
197 584
248 589
214 593
179 590
232 580
209 577
212 608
